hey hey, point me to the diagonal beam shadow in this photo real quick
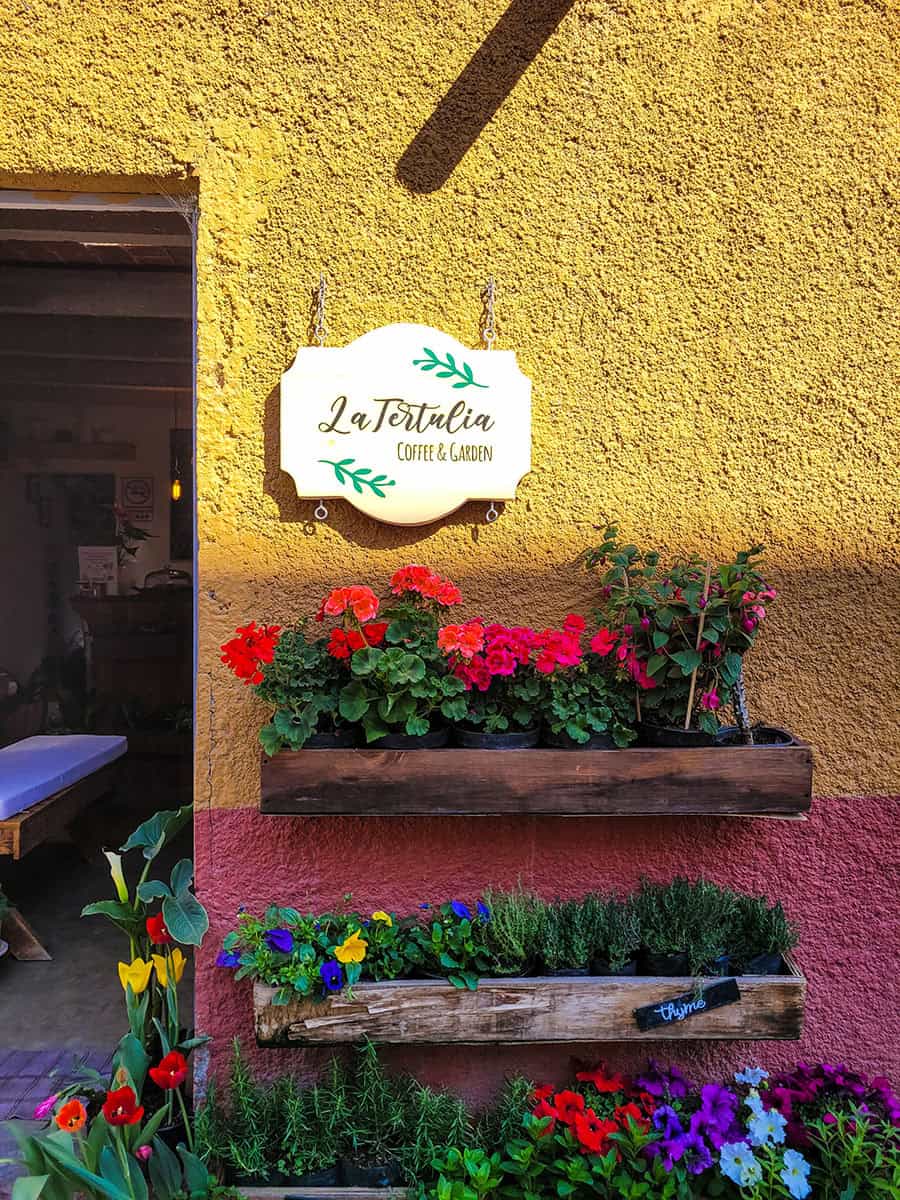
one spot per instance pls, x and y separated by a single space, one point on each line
493 72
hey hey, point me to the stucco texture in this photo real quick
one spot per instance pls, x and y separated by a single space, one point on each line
690 208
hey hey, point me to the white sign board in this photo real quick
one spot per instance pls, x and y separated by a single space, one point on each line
406 423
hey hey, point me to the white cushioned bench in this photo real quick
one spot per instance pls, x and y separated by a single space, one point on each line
46 780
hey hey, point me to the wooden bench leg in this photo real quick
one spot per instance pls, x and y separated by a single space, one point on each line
23 943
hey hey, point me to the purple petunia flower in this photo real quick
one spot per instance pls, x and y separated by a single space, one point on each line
690 1150
281 940
662 1081
228 958
331 976
667 1121
460 910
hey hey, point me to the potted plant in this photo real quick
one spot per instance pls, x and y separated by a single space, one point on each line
516 930
505 669
400 690
762 936
587 705
616 936
679 633
565 947
302 684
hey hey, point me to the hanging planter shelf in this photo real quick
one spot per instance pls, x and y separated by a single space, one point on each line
739 781
539 1009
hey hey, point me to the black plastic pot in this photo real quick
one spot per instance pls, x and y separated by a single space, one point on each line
665 964
765 964
173 1134
476 739
335 739
384 1175
603 968
562 741
673 736
433 740
763 735
329 1177
719 966
568 971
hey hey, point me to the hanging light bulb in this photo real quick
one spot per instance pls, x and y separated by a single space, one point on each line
176 485
176 466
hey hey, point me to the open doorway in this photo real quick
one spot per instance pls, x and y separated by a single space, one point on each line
97 540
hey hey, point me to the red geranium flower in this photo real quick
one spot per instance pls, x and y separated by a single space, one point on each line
602 642
567 1105
338 646
375 631
592 1133
252 645
121 1107
601 1081
171 1072
574 624
362 602
157 932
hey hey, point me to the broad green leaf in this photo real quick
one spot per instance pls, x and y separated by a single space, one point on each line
122 915
28 1187
185 918
131 1055
182 876
165 1171
152 889
365 661
151 836
354 702
71 1165
196 1176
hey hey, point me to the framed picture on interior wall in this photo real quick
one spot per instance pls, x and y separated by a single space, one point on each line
181 510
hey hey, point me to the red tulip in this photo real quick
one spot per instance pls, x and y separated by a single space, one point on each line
171 1072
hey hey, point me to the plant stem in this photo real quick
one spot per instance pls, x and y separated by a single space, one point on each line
123 1159
690 703
187 1124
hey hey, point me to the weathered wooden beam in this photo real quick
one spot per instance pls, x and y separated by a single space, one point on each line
94 292
24 944
63 371
49 819
557 1009
135 397
722 780
138 338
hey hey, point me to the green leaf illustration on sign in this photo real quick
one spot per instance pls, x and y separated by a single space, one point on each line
358 477
448 369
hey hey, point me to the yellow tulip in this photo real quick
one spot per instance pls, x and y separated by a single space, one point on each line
352 949
383 916
136 975
178 961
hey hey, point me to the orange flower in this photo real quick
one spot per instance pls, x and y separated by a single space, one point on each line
72 1116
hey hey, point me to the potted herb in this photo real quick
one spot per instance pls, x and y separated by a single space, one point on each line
515 931
565 946
505 669
377 1126
662 912
400 690
679 633
762 936
587 705
616 936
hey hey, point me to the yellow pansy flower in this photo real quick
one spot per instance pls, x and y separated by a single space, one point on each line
352 949
136 975
383 916
178 961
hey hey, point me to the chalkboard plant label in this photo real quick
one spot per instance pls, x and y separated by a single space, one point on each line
405 423
681 1008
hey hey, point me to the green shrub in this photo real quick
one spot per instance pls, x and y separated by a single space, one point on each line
515 930
502 1121
566 938
433 1121
759 928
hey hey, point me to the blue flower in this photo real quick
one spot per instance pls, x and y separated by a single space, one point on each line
751 1075
483 911
331 976
424 906
737 1163
281 940
766 1128
460 910
754 1103
228 958
794 1174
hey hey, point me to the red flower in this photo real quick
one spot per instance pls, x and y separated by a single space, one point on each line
574 624
567 1105
419 579
601 1081
362 602
592 1133
252 645
630 1112
543 1092
648 1102
375 631
157 932
542 1110
121 1107
602 642
338 646
171 1072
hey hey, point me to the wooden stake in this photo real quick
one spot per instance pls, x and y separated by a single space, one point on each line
690 703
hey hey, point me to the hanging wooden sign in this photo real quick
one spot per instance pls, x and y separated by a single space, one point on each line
405 423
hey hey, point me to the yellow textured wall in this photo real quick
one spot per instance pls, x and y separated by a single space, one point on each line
688 206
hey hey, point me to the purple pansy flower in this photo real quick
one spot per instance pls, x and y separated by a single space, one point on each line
281 940
460 910
331 976
228 958
483 911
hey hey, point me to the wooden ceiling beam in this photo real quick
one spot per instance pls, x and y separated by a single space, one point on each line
27 395
64 371
94 292
139 338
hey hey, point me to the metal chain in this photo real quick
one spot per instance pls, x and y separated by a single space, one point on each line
489 336
320 332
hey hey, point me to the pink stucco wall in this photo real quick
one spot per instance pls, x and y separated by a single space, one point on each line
837 874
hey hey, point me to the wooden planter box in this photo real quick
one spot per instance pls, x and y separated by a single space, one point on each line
739 781
570 1009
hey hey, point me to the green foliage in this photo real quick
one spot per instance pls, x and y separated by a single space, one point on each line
566 940
856 1158
406 686
656 611
613 930
502 1121
761 929
433 1121
302 685
511 704
515 930
590 699
454 946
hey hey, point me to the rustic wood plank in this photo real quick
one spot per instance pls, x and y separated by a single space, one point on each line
723 780
97 292
49 819
24 944
139 339
509 1011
